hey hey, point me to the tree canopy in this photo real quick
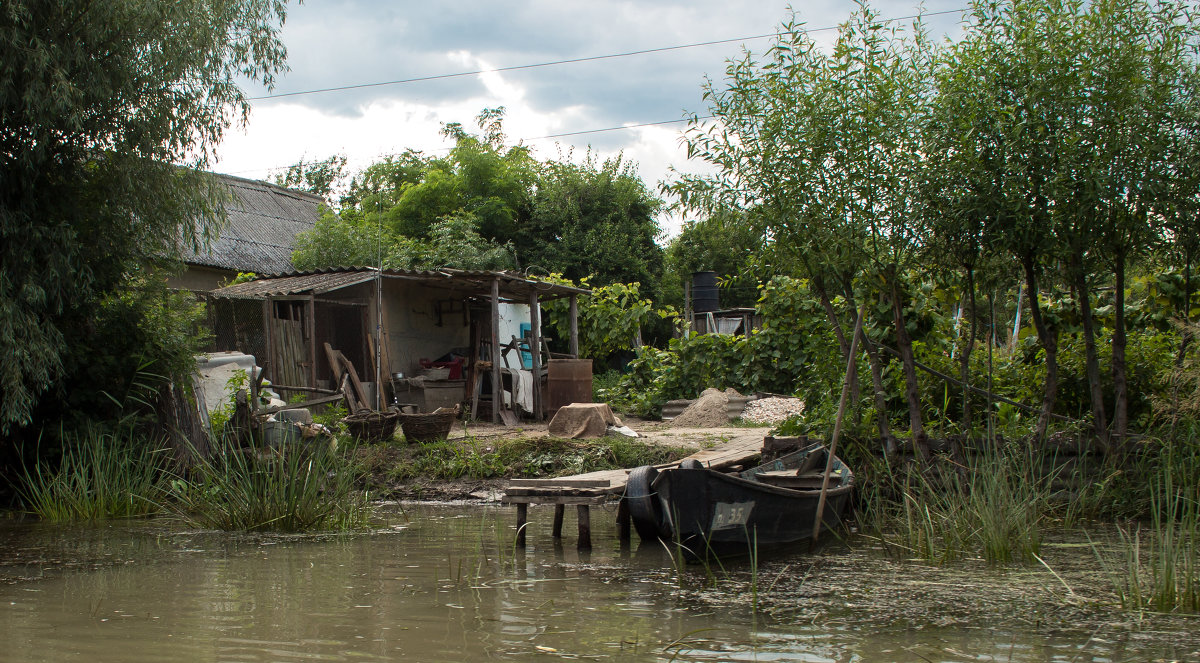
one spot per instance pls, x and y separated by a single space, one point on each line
99 102
489 205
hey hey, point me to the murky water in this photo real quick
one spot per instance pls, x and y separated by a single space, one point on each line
443 583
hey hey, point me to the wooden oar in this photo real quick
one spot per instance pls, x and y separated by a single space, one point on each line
837 425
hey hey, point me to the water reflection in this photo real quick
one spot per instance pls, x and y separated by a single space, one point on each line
444 583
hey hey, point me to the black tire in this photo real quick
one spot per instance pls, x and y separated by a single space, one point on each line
691 464
645 509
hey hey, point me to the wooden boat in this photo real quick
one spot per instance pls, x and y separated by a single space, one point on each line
713 514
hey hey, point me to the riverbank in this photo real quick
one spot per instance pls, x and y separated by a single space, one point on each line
478 459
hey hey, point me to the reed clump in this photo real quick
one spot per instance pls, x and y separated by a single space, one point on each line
1159 568
994 507
293 488
101 474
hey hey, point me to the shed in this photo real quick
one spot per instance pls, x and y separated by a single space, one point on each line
400 321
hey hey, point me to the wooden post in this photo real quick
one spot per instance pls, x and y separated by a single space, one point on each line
623 521
497 397
270 330
312 341
585 527
573 348
535 353
559 509
837 424
522 522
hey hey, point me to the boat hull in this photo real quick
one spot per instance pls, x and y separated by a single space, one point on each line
714 514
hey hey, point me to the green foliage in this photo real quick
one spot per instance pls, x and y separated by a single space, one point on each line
101 474
594 221
320 177
295 488
88 192
490 206
793 352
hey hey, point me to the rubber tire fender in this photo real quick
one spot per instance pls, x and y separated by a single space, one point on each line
645 509
691 464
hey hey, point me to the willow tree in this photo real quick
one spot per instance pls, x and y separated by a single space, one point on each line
99 100
822 145
1060 122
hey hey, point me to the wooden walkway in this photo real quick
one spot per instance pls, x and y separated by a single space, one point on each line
719 457
583 490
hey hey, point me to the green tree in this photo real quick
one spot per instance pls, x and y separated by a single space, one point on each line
322 177
729 243
594 220
99 100
824 147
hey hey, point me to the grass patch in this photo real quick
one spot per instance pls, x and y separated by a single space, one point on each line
297 488
101 474
474 458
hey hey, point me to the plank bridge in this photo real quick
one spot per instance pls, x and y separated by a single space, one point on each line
584 490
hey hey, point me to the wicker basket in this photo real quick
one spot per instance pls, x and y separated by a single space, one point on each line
372 426
428 427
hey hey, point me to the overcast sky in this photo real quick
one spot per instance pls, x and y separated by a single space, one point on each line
334 43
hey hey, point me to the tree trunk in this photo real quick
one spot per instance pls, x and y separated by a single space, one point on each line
852 373
1095 388
920 440
964 366
873 360
1119 369
1049 339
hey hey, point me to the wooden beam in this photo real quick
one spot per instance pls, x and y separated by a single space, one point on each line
564 483
573 346
312 341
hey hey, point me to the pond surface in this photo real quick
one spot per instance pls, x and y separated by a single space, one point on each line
444 583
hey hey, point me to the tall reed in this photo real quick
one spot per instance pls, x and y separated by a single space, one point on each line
295 488
1161 570
994 507
101 474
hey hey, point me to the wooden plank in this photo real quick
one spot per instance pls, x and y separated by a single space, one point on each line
334 364
360 394
559 499
552 492
572 483
303 404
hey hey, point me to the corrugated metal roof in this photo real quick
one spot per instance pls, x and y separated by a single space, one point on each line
477 283
260 234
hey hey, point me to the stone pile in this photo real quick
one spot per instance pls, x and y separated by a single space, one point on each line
771 410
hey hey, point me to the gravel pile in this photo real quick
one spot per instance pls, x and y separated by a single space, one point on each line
772 410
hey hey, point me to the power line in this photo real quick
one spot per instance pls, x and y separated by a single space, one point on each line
561 135
554 63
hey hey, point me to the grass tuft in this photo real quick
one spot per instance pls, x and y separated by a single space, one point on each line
101 475
297 488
